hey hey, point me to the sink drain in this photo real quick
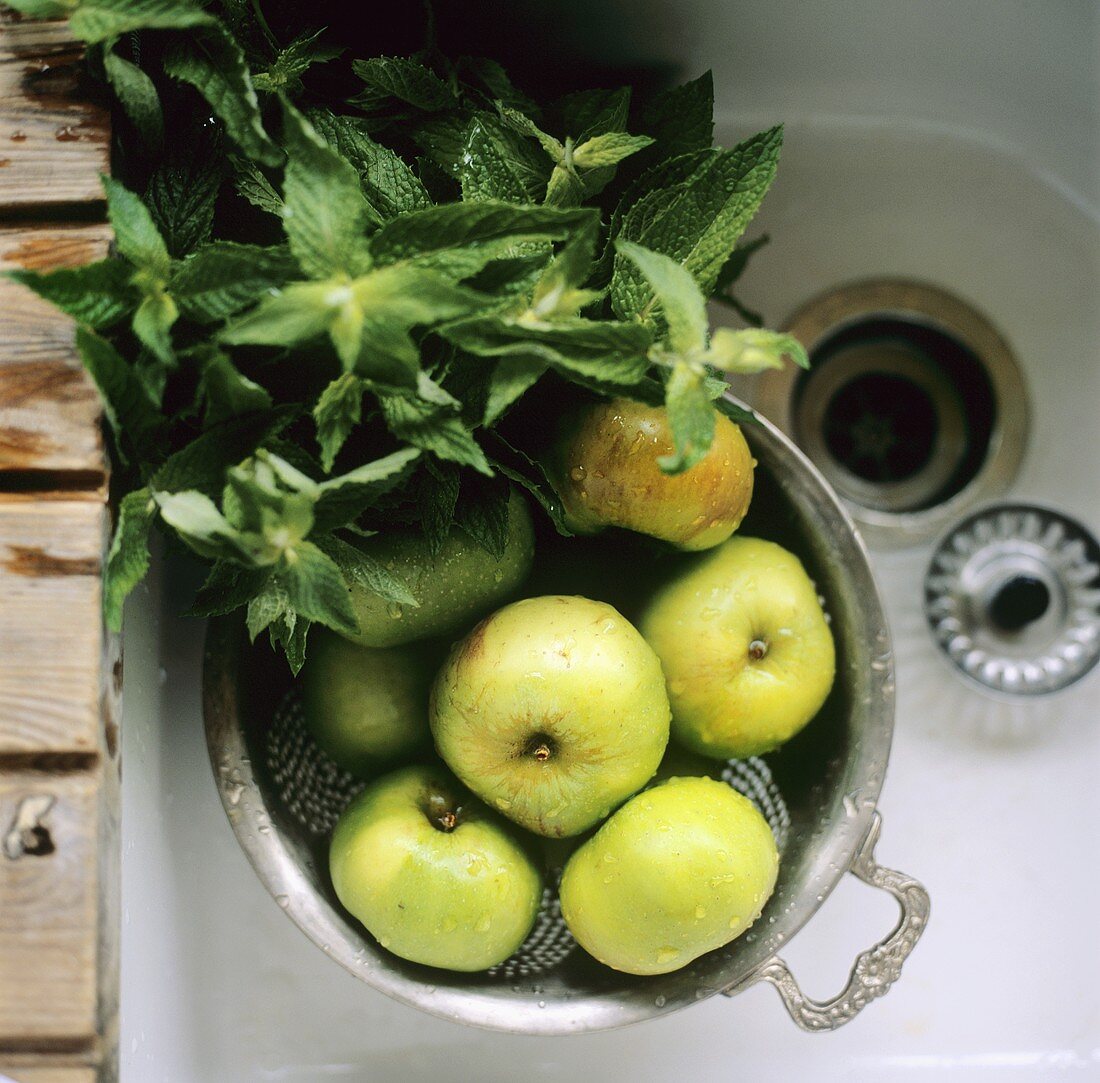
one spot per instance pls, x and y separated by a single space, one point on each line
1012 596
913 407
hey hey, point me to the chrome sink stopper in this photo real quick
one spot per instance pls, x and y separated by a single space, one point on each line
1012 596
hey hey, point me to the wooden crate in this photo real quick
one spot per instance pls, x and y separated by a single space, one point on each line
60 673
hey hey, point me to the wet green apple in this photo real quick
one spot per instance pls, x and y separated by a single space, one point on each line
367 707
678 871
453 588
605 469
745 647
434 875
553 710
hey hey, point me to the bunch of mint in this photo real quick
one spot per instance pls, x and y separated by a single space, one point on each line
319 311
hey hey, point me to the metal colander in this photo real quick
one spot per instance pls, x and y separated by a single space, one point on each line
314 791
818 793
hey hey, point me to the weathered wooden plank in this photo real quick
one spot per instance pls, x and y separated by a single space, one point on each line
48 910
47 1074
54 142
51 640
49 408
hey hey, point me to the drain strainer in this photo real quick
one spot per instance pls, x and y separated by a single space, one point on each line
1012 596
913 408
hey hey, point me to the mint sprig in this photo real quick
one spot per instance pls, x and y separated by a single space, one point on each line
322 316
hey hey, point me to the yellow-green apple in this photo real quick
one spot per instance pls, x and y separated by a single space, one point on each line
452 587
367 707
434 875
678 871
605 469
745 647
553 710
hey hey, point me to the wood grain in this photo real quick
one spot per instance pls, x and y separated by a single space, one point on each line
51 640
49 408
46 1074
54 142
48 911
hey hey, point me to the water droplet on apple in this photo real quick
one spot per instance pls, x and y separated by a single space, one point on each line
700 912
578 473
394 610
666 955
610 859
708 613
735 921
485 924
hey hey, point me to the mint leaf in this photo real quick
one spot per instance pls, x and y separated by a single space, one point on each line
593 112
181 197
605 350
510 378
138 96
131 414
690 416
697 221
99 20
343 499
429 428
136 236
682 119
200 525
228 586
338 411
497 164
608 149
436 500
482 514
97 294
291 635
285 74
212 62
222 278
325 216
679 298
316 588
389 185
495 83
406 80
460 225
226 392
128 558
753 350
300 312
202 464
153 323
251 183
359 567
268 604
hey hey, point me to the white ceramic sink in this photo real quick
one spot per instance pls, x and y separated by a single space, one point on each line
957 143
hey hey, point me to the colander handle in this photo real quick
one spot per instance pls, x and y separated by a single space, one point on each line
875 970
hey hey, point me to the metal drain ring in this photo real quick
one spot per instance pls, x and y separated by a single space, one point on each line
314 791
975 561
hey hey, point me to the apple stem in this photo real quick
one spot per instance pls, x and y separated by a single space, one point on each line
441 812
757 649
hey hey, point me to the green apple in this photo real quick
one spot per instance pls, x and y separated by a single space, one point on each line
553 710
367 707
605 468
678 871
745 646
434 875
452 587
